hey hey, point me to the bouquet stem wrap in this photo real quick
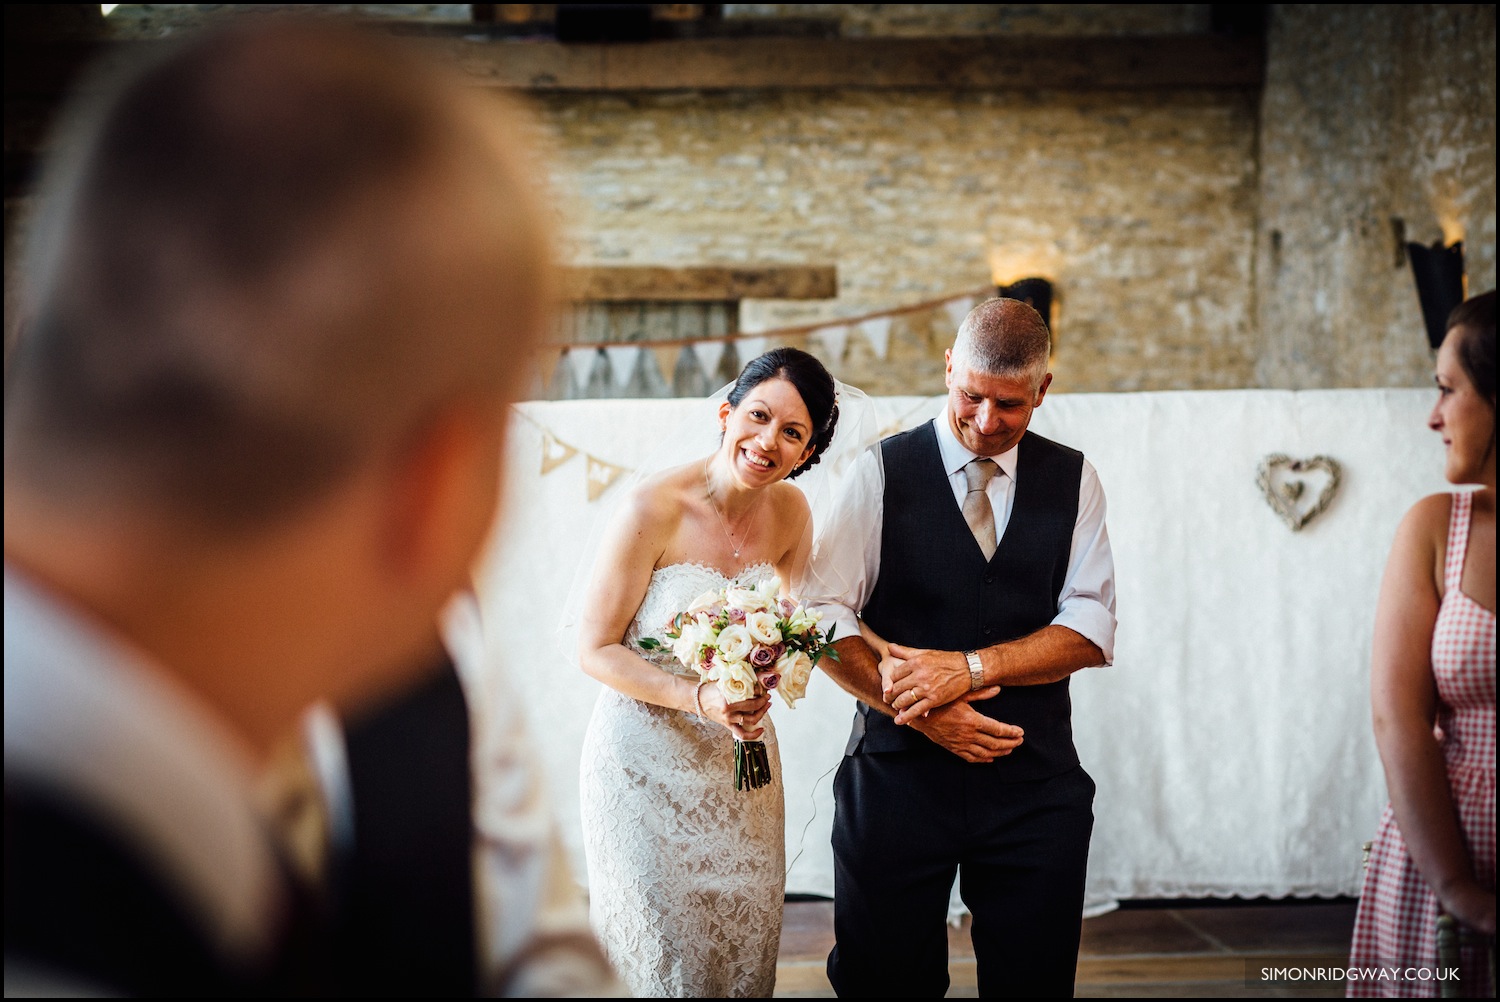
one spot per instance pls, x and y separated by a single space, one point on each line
752 765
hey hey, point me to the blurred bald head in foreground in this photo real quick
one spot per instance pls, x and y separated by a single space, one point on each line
283 285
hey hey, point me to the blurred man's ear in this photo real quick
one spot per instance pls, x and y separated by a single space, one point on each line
443 492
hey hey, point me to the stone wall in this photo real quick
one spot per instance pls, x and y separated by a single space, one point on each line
1370 114
1197 239
1140 207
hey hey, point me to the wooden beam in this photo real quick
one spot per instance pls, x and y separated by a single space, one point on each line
728 282
999 63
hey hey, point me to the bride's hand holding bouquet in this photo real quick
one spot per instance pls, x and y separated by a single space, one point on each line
746 643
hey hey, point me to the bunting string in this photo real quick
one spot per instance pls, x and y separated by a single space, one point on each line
874 325
600 474
605 368
615 363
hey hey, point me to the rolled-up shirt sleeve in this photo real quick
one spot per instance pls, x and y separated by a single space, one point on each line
1086 604
846 555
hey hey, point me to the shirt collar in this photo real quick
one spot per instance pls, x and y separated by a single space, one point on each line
956 455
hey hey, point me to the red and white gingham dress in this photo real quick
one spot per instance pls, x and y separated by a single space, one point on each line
1396 925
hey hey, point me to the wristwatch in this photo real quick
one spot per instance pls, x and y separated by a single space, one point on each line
976 670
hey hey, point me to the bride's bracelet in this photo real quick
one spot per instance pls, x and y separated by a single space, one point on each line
698 699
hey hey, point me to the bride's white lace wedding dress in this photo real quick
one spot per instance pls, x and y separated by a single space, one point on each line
686 874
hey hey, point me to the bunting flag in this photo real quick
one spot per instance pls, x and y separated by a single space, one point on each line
957 309
554 452
666 361
600 475
877 331
581 362
622 360
709 354
833 340
554 364
548 359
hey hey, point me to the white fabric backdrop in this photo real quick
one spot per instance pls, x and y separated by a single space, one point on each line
1230 740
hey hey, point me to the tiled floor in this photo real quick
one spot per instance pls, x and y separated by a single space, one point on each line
1195 950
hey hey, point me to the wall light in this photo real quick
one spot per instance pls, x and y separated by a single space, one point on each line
1034 292
1439 272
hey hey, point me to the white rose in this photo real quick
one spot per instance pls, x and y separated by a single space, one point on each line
688 647
795 668
685 650
736 681
705 602
746 600
735 643
762 628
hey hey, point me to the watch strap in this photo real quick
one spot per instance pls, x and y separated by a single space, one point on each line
976 670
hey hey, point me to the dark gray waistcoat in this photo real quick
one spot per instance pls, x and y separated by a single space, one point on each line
936 590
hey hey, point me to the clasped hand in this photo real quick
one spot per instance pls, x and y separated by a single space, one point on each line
916 681
930 691
743 718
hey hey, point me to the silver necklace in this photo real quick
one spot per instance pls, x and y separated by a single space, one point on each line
708 488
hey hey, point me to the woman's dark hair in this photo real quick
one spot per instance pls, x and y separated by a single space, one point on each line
1476 352
812 382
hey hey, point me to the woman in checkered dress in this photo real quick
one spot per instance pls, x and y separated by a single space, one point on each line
1433 693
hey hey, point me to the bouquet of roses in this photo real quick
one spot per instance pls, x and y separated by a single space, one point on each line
748 641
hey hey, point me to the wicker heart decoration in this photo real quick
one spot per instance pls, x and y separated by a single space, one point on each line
1285 483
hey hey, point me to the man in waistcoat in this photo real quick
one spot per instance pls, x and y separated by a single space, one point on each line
992 583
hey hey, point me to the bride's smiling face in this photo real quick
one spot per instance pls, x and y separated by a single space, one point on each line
768 435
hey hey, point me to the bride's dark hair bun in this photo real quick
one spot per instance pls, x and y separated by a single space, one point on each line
813 383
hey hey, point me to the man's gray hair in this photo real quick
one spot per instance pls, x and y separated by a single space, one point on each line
1004 337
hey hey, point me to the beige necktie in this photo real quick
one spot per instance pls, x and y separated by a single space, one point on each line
977 510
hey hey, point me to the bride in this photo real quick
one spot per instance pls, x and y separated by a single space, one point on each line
686 874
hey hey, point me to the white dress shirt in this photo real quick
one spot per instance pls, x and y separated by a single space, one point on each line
846 560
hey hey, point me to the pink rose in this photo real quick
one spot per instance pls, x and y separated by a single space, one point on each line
768 679
763 657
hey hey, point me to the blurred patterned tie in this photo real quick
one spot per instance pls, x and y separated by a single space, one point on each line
977 510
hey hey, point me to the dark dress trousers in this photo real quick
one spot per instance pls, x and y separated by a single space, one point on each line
910 814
